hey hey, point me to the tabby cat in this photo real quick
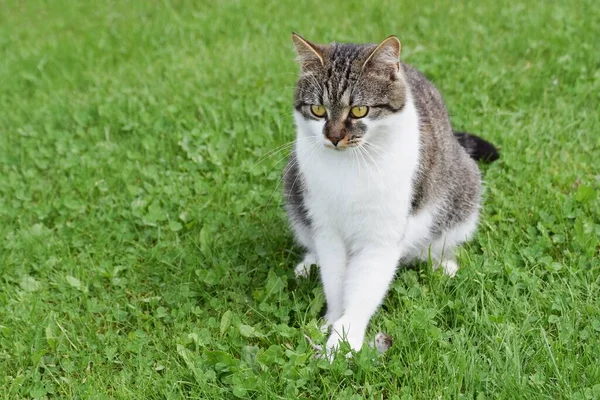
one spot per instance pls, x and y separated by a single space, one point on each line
377 176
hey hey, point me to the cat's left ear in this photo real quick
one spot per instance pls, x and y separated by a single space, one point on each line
387 52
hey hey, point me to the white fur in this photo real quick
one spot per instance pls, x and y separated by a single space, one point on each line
302 270
359 206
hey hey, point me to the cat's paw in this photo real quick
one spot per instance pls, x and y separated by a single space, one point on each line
341 332
450 267
302 270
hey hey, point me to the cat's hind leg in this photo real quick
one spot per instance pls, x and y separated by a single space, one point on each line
302 270
305 236
442 249
449 266
441 256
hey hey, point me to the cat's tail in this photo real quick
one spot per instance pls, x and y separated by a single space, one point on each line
478 149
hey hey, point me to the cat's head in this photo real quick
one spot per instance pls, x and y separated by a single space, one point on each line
346 92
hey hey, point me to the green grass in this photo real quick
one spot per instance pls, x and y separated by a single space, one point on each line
144 252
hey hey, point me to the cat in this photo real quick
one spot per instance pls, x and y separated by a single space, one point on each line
376 178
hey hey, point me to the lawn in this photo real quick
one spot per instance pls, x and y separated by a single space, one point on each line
144 250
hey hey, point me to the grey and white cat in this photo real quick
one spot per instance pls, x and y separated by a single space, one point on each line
377 176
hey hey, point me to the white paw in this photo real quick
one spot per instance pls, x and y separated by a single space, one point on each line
341 332
450 267
302 270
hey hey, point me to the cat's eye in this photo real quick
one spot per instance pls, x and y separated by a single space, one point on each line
318 111
359 111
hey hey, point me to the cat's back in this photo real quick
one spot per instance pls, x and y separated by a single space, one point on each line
428 100
447 176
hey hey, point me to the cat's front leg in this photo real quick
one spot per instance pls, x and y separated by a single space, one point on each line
367 280
331 253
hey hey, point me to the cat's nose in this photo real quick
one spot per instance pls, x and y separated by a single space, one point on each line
336 137
335 132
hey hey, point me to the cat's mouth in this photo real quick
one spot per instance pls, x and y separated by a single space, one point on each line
343 144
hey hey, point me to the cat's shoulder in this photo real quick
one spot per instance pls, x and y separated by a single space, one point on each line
414 77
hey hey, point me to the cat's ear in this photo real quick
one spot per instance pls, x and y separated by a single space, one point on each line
308 53
387 52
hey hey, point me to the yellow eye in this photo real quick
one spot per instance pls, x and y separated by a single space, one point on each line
318 111
359 111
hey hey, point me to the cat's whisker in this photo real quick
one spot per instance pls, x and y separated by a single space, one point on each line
382 179
277 163
355 152
313 147
273 152
278 149
286 170
382 157
363 149
378 150
379 153
372 146
366 150
291 165
364 161
360 151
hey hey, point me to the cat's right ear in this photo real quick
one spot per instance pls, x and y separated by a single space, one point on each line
309 54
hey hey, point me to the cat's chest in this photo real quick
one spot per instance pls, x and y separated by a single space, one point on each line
357 201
